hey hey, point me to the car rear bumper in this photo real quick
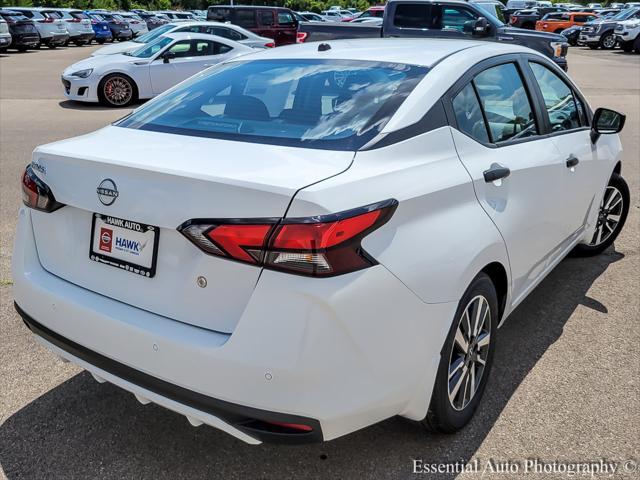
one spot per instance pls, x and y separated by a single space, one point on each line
106 34
82 37
333 354
25 40
5 41
56 39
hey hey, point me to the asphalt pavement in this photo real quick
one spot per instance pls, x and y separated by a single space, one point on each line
565 384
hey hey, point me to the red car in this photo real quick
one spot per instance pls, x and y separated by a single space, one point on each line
273 22
372 12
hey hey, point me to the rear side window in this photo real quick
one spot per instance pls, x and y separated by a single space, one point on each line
558 98
335 105
266 18
245 18
469 115
505 103
226 33
413 15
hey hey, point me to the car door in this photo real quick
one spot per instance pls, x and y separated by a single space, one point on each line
568 123
516 171
165 75
266 24
286 29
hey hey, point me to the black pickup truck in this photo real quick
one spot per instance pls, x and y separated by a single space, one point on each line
477 20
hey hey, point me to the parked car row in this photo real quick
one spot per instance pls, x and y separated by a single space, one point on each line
26 28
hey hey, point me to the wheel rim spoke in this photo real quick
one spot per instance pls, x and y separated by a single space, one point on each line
609 215
469 354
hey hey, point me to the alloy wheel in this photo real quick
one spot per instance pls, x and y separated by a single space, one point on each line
118 90
609 215
469 354
609 41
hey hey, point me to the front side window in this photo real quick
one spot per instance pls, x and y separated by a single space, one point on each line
181 49
455 18
150 49
285 19
558 99
505 103
336 105
468 114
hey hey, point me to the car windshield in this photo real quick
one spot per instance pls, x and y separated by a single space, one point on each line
150 49
624 14
155 33
334 105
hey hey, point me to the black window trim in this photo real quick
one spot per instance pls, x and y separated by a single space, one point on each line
576 96
533 92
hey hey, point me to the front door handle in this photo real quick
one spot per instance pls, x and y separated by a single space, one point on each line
496 172
572 161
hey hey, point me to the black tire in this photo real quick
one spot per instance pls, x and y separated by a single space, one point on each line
608 41
592 46
573 42
104 96
626 46
21 49
442 416
79 44
100 41
596 247
52 46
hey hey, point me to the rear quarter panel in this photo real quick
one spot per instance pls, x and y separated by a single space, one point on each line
439 237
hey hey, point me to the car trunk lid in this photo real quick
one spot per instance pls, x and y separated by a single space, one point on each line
163 180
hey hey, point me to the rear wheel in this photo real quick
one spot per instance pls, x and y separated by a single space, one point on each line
592 46
627 46
100 41
613 212
465 359
117 90
608 42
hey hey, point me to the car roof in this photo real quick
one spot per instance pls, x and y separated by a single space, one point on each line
200 36
415 51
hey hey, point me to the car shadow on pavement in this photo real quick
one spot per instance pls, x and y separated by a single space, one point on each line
82 429
95 107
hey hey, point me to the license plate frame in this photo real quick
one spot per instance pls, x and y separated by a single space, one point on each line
124 255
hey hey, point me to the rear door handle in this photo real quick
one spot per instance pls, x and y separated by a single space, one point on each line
572 161
496 172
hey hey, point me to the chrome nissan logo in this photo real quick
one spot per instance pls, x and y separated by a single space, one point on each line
107 192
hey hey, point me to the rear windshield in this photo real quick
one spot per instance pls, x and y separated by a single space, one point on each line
79 15
336 105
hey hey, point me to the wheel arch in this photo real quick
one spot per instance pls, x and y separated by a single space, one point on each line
134 83
498 275
618 168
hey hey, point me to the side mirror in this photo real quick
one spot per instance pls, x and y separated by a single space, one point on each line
167 56
606 121
480 27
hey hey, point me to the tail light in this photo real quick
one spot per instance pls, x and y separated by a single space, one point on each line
319 246
36 194
46 20
301 37
94 21
74 20
270 45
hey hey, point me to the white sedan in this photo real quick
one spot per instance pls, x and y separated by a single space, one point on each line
225 30
314 238
119 80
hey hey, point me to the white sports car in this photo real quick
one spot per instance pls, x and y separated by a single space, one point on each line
119 80
225 30
311 239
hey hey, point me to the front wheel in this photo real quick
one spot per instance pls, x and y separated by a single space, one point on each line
465 359
592 46
608 42
117 90
613 212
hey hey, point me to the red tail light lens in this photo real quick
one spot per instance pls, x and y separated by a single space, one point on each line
46 20
36 194
301 37
316 246
270 45
74 20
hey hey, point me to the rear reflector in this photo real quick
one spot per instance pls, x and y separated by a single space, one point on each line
301 37
315 246
36 194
